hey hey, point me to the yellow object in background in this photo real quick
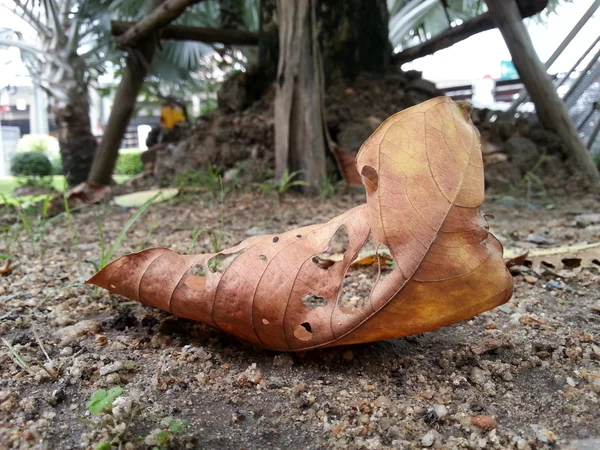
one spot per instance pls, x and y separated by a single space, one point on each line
171 115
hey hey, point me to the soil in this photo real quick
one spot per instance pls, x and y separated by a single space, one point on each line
525 375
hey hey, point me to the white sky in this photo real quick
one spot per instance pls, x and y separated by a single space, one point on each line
481 54
466 61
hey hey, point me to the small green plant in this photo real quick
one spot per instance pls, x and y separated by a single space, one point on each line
532 182
216 236
129 162
287 181
208 178
106 255
327 187
102 400
34 168
100 405
35 225
284 183
164 438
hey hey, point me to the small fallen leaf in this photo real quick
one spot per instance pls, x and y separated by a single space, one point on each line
423 174
87 194
136 199
568 257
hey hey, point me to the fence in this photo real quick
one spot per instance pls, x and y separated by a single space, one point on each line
9 138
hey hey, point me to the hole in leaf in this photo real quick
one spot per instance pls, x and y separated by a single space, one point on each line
276 239
547 265
303 332
313 301
299 236
262 257
571 263
338 244
221 262
196 279
265 322
198 270
370 179
596 261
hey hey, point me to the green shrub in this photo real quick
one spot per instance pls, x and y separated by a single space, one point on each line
31 165
129 162
57 167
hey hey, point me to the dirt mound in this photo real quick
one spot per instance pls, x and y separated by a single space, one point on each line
517 154
231 134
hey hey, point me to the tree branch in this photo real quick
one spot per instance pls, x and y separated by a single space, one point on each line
459 33
158 18
28 15
187 33
37 52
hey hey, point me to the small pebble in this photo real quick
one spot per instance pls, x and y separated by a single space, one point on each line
428 439
484 422
440 411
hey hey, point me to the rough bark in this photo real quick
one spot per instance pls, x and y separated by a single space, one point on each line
549 107
187 33
354 36
300 139
75 138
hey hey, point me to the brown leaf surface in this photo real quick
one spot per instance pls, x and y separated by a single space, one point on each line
422 170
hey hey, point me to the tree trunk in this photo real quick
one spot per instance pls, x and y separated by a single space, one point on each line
300 139
354 36
268 44
549 107
138 62
75 138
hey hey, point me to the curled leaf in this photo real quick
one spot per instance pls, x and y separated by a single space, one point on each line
423 173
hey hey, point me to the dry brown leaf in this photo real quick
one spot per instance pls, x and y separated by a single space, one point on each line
564 257
423 173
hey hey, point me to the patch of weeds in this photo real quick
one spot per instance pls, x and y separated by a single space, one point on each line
106 255
327 187
100 405
217 237
285 183
208 178
35 224
163 439
532 183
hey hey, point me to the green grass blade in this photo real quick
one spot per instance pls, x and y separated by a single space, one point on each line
129 224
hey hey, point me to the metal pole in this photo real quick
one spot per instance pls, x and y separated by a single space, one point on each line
595 107
567 40
582 76
568 74
594 134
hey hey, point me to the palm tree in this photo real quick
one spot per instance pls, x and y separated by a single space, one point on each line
64 52
67 47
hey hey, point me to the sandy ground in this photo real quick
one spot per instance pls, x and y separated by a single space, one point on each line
525 375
